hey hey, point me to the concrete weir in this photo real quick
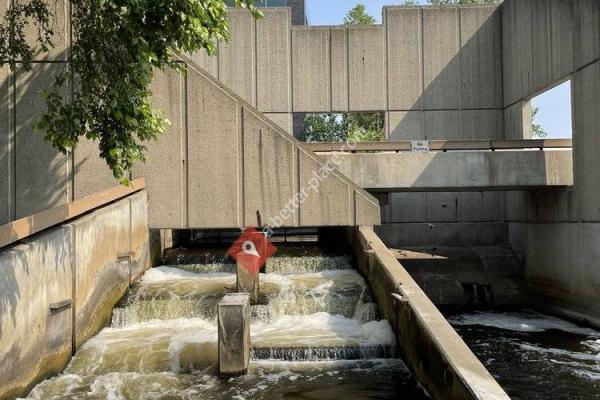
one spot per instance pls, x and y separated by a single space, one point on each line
58 288
429 346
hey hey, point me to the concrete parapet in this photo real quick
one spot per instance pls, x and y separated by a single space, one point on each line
450 171
234 334
435 353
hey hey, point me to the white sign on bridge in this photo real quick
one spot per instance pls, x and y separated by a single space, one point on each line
419 146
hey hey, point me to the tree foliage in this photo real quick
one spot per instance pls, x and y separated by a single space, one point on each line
340 127
117 46
358 16
537 130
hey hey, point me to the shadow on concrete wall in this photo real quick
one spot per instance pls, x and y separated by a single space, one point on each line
33 175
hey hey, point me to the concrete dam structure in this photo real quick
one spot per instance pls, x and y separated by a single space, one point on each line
399 272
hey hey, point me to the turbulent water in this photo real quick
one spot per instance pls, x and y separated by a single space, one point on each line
535 356
315 334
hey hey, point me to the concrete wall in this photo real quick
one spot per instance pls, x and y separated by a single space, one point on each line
246 175
412 66
24 188
435 71
77 263
556 233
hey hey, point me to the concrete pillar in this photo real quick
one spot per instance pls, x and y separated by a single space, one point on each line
234 334
247 280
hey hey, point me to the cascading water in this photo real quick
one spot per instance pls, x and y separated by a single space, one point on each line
315 334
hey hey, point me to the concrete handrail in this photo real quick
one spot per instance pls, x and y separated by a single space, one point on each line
32 224
444 145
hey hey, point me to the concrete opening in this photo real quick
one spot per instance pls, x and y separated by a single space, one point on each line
341 127
551 116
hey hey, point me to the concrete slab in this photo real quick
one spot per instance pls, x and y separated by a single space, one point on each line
164 177
213 199
542 44
311 69
586 37
442 125
443 234
442 207
208 63
481 124
586 119
366 68
408 207
236 60
480 61
6 135
562 31
517 121
366 209
339 69
517 50
403 27
284 120
35 341
91 172
331 203
406 125
33 174
60 23
270 175
273 61
441 58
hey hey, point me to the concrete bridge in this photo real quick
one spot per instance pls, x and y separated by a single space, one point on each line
452 166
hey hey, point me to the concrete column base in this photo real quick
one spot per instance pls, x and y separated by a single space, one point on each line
234 334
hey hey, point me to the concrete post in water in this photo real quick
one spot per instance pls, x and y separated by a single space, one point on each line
249 262
234 334
247 280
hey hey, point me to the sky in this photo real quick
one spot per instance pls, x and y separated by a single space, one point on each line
554 105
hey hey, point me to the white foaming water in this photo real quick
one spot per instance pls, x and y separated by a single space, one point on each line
320 330
171 293
582 363
521 322
164 273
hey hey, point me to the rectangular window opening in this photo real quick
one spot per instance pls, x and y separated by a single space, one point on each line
551 113
340 127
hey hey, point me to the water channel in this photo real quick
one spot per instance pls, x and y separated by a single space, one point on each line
316 334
